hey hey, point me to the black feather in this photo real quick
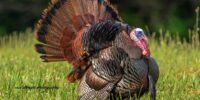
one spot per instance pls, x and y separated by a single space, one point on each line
39 48
43 29
112 12
41 38
100 1
100 35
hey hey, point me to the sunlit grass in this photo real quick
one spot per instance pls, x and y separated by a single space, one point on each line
20 66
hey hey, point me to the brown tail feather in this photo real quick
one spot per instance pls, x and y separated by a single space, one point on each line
49 39
44 49
52 58
62 25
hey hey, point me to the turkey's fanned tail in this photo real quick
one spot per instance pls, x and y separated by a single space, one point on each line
62 25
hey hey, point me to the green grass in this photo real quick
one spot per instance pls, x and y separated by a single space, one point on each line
20 66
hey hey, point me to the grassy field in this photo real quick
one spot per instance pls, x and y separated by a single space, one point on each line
22 72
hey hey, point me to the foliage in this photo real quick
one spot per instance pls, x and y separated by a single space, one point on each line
175 16
17 15
170 15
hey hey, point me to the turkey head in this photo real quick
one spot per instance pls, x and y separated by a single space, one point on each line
141 40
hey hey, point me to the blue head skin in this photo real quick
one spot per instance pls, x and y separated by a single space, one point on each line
139 37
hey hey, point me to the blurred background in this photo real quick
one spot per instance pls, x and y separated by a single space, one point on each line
175 16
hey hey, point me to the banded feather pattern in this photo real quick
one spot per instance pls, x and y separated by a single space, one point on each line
114 65
62 25
107 65
135 78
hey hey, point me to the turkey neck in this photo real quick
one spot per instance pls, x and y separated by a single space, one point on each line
123 41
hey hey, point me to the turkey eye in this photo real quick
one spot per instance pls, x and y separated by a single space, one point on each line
139 34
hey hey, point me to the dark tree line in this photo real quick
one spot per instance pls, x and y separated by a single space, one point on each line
174 15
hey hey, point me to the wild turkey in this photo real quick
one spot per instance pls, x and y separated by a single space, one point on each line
110 58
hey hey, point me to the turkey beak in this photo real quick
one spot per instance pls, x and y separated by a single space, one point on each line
144 46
